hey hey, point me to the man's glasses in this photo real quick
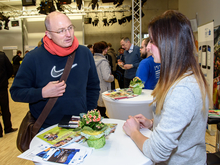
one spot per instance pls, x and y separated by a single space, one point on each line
63 31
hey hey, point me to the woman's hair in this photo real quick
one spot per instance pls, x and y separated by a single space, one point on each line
172 34
99 47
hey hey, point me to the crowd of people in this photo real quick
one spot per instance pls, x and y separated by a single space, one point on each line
165 62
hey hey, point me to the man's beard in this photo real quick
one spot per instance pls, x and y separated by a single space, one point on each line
143 55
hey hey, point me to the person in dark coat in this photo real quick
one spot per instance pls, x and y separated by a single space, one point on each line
6 71
16 62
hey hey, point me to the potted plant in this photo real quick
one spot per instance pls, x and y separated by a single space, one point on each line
93 129
136 84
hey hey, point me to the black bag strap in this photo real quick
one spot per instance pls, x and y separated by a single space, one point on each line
40 120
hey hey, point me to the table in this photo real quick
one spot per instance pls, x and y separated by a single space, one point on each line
119 148
121 109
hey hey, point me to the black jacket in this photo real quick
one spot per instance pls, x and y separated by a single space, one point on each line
6 70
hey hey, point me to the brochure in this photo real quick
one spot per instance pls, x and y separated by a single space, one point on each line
121 94
214 113
59 136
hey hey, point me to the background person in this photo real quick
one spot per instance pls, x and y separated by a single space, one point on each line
132 59
90 46
38 77
6 71
104 73
119 74
148 71
16 62
112 53
180 97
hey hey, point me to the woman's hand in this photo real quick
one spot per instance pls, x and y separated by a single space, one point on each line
131 128
131 125
144 122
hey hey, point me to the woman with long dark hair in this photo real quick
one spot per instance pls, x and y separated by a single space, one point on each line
104 73
181 97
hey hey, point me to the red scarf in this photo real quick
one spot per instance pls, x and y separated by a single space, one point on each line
55 49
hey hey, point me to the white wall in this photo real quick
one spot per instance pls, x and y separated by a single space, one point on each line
206 10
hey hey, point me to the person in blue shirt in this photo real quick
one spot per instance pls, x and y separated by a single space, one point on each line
132 59
148 71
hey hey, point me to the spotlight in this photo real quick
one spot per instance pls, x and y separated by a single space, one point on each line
95 22
121 21
129 18
112 21
105 22
59 6
1 16
87 20
46 7
42 8
94 4
119 3
51 6
143 2
79 4
0 25
6 19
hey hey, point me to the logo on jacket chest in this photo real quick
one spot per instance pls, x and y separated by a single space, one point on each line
56 73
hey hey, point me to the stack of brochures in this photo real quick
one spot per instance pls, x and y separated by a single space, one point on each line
214 113
60 145
72 155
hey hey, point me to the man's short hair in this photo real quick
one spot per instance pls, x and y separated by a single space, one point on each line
89 46
126 39
146 41
18 52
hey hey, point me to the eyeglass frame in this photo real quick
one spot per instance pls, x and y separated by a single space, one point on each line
61 32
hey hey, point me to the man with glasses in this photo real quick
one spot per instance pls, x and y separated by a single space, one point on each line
148 71
38 77
132 59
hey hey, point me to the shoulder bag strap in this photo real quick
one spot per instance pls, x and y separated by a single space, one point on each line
40 120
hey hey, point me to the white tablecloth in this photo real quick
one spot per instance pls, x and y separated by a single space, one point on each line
118 150
121 109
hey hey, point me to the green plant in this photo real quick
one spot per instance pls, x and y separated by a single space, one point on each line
92 119
136 82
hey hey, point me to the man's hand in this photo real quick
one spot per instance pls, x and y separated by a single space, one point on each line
128 66
54 89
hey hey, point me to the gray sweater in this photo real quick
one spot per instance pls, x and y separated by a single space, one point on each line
178 136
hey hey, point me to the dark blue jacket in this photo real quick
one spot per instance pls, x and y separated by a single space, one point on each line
132 58
39 67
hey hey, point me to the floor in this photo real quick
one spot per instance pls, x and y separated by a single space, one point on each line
8 150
